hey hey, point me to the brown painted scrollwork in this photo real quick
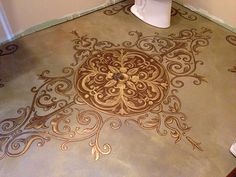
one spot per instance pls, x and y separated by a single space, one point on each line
52 118
86 46
231 39
141 75
125 8
167 118
183 14
118 82
8 49
176 52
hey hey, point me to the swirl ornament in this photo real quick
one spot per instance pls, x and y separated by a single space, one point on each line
109 85
121 7
231 39
183 14
8 49
122 81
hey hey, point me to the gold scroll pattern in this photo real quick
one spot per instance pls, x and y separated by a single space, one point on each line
231 39
59 111
8 49
122 81
167 118
120 7
124 7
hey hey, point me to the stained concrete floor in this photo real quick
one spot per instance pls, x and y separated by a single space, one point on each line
108 95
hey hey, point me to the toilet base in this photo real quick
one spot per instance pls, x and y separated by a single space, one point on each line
233 149
155 12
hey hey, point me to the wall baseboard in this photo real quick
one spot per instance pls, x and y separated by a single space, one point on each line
206 14
54 22
69 17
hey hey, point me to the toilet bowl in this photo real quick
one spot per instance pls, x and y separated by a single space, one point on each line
153 12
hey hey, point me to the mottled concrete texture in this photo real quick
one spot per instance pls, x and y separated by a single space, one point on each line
132 100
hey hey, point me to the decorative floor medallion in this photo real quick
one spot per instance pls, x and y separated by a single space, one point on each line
110 84
122 82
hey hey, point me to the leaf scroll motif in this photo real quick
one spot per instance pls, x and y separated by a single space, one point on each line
167 118
85 47
54 111
131 85
110 83
177 52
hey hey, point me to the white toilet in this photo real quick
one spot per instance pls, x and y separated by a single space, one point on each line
153 12
233 149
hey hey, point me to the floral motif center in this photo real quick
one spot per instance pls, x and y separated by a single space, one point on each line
118 76
122 81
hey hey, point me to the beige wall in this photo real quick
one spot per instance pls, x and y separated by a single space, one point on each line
24 14
223 11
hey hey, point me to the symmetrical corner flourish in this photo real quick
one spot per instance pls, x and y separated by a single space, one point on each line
167 118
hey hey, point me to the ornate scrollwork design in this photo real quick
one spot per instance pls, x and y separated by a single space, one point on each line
121 7
85 46
89 124
140 72
8 49
165 119
18 134
231 39
20 144
122 81
176 52
184 14
7 126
